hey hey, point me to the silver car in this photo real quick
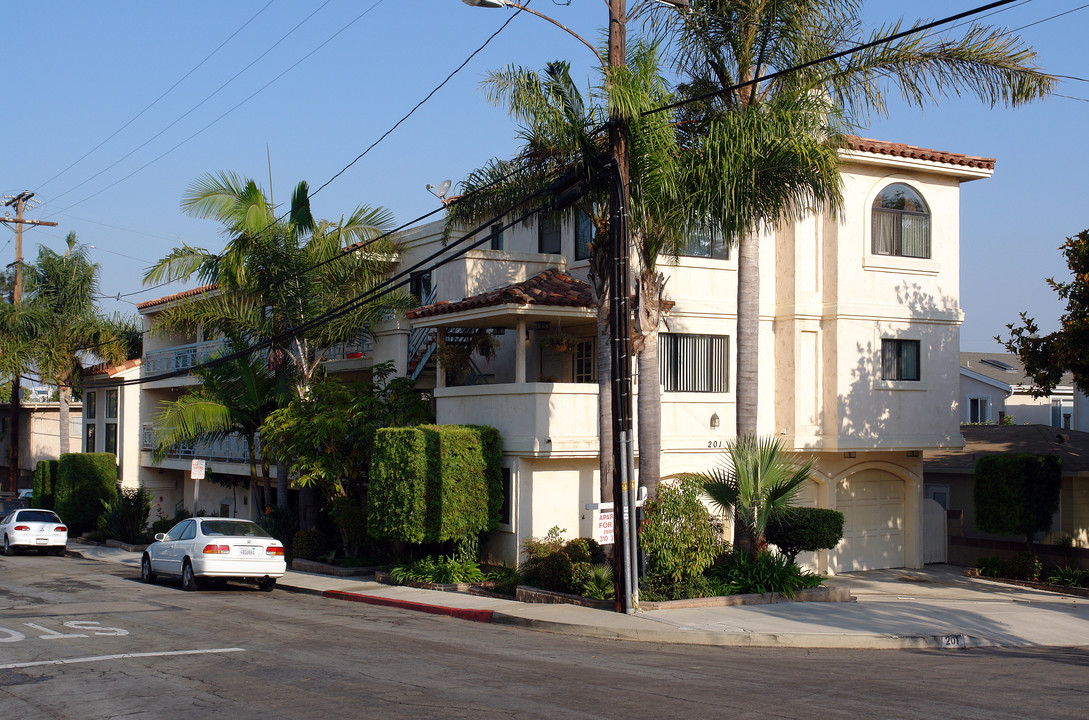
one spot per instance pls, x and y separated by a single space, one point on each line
211 548
33 528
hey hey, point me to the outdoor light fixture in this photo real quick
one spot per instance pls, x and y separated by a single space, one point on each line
486 3
714 420
542 325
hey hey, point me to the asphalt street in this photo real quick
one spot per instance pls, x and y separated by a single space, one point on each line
83 639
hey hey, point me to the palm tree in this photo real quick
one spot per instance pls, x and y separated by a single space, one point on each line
62 288
723 46
234 398
759 481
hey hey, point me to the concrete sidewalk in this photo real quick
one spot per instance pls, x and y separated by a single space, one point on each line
933 608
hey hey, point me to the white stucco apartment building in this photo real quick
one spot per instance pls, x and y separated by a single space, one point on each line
859 348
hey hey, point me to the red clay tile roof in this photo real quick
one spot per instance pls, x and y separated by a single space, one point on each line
881 147
111 370
550 287
176 296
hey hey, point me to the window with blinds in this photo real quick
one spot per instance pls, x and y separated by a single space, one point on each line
900 360
694 363
901 223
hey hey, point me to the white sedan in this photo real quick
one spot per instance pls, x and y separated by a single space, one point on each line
32 528
211 548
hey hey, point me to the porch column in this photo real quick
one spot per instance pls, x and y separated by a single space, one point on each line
520 351
440 371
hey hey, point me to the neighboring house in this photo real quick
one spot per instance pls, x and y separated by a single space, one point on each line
39 427
860 319
950 478
994 389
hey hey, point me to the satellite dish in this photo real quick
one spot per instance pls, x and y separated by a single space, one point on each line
441 190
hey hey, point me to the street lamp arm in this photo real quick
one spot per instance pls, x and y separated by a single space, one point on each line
569 31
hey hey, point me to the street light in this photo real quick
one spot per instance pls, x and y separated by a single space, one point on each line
493 4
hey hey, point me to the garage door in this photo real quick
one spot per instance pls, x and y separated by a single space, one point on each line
872 503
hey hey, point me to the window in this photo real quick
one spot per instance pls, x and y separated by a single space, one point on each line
110 445
419 284
89 405
901 223
497 237
694 363
89 439
702 244
548 234
584 234
585 362
939 494
979 409
900 360
111 404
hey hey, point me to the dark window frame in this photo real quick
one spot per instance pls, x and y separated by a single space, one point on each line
885 214
694 362
549 234
584 224
901 360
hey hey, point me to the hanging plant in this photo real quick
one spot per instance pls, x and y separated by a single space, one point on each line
455 361
559 342
485 344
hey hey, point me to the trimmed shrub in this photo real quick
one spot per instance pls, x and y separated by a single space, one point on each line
1017 493
442 570
45 477
1025 566
992 567
308 545
125 517
430 484
677 535
85 483
491 446
805 529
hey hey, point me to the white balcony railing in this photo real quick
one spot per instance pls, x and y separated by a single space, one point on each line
229 449
180 357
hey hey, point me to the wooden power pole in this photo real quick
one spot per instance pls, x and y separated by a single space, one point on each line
19 202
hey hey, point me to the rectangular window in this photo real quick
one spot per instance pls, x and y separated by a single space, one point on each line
90 406
978 410
584 234
89 439
419 284
548 234
497 237
110 445
508 495
585 362
694 363
702 244
901 233
900 360
111 403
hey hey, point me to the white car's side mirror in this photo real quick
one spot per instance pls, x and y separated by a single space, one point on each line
159 537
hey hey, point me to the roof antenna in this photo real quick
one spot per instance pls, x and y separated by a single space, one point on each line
441 190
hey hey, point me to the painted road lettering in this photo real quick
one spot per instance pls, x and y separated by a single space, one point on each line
96 628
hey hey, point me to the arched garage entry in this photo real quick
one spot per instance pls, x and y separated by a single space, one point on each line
874 507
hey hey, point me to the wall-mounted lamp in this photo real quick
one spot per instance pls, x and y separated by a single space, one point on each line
848 454
714 420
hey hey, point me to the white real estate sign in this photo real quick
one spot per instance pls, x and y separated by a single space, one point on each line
197 470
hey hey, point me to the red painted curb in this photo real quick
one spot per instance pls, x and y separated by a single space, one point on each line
484 616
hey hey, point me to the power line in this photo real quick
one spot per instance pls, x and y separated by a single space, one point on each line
156 100
1059 15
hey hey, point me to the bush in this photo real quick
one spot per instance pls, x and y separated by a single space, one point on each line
1017 493
660 588
309 545
506 581
125 517
552 564
599 584
431 484
677 535
45 477
992 567
351 522
1025 566
1069 577
442 570
164 524
805 529
280 522
85 481
765 572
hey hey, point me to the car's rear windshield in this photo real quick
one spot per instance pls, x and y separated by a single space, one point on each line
232 528
43 516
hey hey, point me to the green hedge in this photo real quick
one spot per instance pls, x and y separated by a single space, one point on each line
85 481
1017 493
805 529
431 483
45 478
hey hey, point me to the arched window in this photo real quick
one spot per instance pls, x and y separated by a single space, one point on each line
901 223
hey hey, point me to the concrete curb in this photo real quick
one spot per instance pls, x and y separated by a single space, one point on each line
476 615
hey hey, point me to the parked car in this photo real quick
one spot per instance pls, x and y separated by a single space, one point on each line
211 548
33 528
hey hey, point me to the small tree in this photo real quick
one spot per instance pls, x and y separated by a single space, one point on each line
805 529
1017 493
678 535
85 481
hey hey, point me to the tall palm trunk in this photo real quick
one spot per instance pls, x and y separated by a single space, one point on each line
648 319
748 333
600 285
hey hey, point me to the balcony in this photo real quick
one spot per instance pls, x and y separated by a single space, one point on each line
232 449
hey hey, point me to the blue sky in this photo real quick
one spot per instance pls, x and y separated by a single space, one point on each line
312 101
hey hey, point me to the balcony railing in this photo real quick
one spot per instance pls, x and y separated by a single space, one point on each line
229 449
180 357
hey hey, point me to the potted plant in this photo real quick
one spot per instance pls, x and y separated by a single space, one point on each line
455 361
559 342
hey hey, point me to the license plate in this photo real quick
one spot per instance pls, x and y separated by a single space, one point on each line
247 551
42 541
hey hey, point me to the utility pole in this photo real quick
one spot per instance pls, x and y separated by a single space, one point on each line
19 202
